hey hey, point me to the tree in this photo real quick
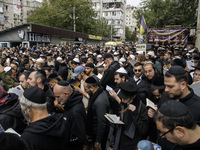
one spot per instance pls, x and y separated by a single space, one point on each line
159 13
127 34
131 35
59 14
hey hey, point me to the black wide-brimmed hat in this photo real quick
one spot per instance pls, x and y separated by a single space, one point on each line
127 89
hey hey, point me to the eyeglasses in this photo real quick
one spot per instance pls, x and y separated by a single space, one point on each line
163 134
139 70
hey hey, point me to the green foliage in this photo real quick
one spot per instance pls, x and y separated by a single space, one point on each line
59 14
159 13
131 36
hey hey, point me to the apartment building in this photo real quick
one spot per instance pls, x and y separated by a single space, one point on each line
131 21
14 12
114 12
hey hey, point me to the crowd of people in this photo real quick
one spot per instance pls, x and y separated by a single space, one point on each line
68 90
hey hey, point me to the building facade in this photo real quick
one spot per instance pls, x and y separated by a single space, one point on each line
114 12
131 21
15 12
29 35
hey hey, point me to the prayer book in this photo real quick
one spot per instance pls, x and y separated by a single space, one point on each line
113 119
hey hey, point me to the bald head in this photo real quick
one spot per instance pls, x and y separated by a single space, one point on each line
62 93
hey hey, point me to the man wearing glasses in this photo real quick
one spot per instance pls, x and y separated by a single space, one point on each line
178 125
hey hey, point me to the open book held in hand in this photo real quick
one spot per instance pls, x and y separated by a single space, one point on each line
195 86
149 103
113 119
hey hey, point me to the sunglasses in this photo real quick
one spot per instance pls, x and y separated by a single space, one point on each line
139 70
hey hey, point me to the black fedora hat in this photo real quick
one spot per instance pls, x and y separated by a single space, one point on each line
127 89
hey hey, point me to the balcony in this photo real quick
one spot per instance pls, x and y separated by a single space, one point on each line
113 17
114 1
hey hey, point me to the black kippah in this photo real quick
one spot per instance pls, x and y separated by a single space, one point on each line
53 75
176 70
63 83
92 79
173 108
178 62
35 94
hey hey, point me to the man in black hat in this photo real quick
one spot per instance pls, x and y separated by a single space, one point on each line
157 88
98 106
108 76
74 111
47 132
178 125
134 115
50 61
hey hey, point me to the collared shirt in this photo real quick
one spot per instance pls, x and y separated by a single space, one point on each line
137 81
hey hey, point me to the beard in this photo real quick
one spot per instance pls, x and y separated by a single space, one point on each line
26 115
90 93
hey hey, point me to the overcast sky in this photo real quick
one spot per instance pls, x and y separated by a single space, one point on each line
133 2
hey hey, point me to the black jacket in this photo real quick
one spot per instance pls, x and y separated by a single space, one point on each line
192 101
74 111
49 99
193 146
11 115
100 107
49 133
143 90
137 120
108 76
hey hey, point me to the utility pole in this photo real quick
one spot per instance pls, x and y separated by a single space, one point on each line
111 30
101 9
74 19
198 28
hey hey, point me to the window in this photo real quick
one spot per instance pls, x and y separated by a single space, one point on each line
118 13
6 18
113 13
5 8
27 3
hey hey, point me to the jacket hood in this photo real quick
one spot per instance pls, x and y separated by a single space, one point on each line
53 125
74 99
48 92
114 65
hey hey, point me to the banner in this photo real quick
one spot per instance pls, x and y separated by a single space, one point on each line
95 37
176 37
16 7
